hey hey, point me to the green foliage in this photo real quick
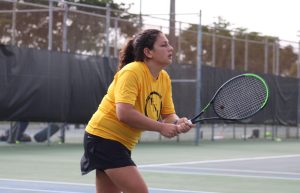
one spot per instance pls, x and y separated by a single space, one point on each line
217 48
86 25
86 33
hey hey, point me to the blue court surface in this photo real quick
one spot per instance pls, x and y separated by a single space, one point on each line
26 186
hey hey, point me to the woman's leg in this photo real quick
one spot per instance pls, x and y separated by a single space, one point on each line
128 179
104 184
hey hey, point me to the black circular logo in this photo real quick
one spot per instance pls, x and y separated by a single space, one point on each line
153 105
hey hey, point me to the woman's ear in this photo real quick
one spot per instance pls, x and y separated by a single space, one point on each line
148 52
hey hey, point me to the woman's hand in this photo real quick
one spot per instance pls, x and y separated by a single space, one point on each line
184 125
169 130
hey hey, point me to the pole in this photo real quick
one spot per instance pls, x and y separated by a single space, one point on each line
14 17
233 52
266 61
246 53
298 76
198 82
140 16
214 48
107 25
65 27
50 25
172 26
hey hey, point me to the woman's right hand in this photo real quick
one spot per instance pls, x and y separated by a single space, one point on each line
169 130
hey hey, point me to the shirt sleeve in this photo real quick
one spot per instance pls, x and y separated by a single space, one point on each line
168 105
126 88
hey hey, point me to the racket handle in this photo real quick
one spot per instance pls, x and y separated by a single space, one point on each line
190 121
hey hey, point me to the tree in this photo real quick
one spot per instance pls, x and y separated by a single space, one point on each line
288 61
249 47
85 25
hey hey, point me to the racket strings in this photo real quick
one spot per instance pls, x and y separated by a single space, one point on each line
240 98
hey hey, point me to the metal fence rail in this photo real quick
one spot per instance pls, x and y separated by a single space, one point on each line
87 29
64 26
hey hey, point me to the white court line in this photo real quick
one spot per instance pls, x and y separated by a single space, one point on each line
79 184
45 182
234 170
172 190
194 172
36 190
53 191
219 161
223 174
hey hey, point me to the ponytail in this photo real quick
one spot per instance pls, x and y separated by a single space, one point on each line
126 54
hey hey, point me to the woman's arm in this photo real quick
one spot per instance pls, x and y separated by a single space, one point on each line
130 116
127 114
170 118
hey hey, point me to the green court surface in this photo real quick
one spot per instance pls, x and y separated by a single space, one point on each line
232 166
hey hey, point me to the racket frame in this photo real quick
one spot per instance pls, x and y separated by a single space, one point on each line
195 118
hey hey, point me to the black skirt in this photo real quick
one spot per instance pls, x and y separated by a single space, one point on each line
102 154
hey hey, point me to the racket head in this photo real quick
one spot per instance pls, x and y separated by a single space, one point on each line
241 97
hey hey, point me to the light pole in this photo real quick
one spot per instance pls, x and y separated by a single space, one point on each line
140 18
172 26
298 77
298 61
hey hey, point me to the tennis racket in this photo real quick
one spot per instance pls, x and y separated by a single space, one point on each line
238 98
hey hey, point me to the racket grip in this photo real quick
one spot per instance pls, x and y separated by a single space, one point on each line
190 121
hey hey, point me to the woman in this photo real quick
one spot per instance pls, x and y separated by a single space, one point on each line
138 99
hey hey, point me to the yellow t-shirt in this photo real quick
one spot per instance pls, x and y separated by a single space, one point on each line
133 84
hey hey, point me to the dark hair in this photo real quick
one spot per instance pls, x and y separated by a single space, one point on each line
134 49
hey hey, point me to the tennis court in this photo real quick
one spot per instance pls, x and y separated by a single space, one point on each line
39 84
234 166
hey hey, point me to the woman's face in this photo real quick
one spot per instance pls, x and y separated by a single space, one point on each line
162 51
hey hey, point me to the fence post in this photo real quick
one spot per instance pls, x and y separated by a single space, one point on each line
178 53
65 27
266 55
13 27
298 76
198 81
116 38
233 52
50 25
277 58
214 48
107 25
274 58
246 53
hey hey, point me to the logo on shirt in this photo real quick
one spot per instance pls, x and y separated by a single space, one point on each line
153 105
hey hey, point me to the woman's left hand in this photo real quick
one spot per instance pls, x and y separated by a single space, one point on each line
185 125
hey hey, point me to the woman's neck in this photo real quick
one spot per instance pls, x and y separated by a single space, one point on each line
153 68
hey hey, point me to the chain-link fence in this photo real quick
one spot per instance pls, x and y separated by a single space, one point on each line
102 30
65 26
